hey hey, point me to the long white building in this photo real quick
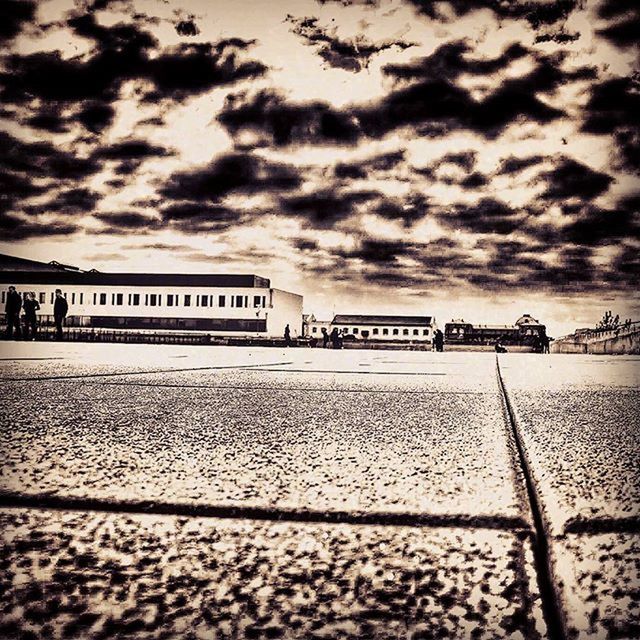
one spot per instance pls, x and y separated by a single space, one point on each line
376 328
218 304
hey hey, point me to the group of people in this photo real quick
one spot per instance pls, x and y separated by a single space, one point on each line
27 326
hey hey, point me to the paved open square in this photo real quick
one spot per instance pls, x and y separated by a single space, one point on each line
152 491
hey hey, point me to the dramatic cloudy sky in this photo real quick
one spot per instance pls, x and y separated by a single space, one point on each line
474 158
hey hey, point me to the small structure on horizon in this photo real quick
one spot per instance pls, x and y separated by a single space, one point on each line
525 332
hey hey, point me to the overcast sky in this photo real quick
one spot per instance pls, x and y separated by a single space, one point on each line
464 158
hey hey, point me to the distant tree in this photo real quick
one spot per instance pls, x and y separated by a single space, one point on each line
608 322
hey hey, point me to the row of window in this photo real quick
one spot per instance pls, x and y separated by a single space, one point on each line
155 300
375 331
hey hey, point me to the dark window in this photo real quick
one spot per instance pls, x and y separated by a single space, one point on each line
103 298
42 297
95 297
385 332
205 300
119 299
73 298
395 332
314 329
239 301
425 332
136 299
257 301
197 301
146 299
405 332
187 300
355 330
415 332
153 300
4 294
375 332
169 300
221 301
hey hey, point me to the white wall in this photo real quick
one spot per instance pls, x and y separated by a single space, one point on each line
286 309
281 308
421 337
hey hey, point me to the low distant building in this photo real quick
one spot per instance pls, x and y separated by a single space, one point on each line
526 331
386 328
218 304
312 327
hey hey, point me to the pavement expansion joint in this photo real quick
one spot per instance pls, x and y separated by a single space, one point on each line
512 524
540 542
597 526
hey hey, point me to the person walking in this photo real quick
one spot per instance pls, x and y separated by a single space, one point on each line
287 336
12 311
30 306
60 310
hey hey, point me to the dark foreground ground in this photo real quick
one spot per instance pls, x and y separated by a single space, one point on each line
155 491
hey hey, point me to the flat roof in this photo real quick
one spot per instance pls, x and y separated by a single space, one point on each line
14 270
133 279
410 321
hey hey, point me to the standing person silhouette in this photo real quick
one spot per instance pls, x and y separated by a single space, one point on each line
12 311
325 338
30 306
287 336
60 309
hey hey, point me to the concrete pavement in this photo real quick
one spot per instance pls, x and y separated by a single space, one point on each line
307 493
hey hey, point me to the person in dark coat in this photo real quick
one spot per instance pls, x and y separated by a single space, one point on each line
325 338
438 340
12 311
30 306
60 309
287 336
335 338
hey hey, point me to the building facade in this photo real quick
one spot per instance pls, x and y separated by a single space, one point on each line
218 304
386 328
526 331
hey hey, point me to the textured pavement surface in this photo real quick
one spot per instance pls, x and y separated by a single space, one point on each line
166 491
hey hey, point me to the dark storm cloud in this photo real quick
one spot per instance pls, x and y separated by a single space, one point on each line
378 251
572 179
14 228
323 209
613 109
425 98
536 13
32 169
14 14
435 99
231 173
121 52
486 216
352 54
561 37
592 225
69 202
513 164
187 27
48 119
270 114
409 209
194 217
124 222
364 168
132 150
624 16
451 60
96 116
